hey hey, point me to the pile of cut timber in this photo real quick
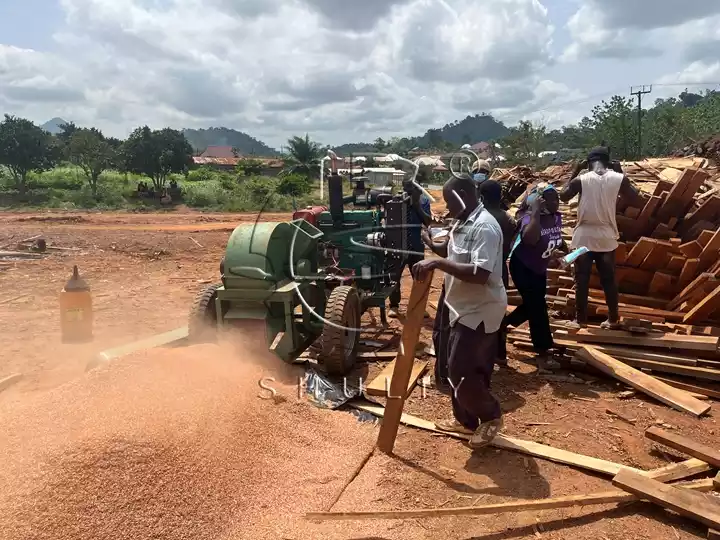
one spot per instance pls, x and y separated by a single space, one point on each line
517 181
668 271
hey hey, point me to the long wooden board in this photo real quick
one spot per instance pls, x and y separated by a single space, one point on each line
674 397
508 443
404 363
606 497
684 445
380 385
660 341
702 508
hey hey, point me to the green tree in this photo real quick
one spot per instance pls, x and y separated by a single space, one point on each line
89 150
156 154
295 185
380 144
525 142
303 157
249 167
25 147
615 123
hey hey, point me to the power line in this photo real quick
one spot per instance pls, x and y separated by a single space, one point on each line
640 93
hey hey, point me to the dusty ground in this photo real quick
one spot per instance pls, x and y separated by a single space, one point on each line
144 270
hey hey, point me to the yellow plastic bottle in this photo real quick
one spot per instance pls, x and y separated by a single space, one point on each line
76 316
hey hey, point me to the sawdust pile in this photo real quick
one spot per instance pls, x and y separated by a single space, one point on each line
172 444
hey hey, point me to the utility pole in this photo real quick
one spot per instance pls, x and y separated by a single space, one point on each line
639 93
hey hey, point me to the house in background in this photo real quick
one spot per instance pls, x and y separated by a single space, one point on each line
225 152
482 149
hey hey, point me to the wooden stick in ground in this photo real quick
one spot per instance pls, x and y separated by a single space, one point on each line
684 445
607 497
674 397
697 506
404 364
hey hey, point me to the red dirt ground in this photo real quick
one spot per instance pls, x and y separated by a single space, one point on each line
144 270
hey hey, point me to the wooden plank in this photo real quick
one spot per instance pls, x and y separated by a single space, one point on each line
691 388
712 534
705 237
641 250
692 249
676 264
633 299
658 258
380 385
159 340
542 451
673 397
661 284
663 341
702 311
686 446
689 272
404 363
700 507
650 207
688 290
606 497
685 371
678 471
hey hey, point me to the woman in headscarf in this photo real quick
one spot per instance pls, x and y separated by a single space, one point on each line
537 246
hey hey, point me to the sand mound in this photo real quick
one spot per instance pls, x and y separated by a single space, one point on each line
172 444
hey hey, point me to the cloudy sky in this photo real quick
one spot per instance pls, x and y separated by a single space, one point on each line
343 70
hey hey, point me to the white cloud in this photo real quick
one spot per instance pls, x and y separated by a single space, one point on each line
343 70
629 29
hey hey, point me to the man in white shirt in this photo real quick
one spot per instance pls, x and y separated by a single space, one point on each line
476 301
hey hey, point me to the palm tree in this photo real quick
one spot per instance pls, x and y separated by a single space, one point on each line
304 157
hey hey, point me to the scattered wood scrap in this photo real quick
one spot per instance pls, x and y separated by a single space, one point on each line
607 497
380 386
684 445
674 397
697 506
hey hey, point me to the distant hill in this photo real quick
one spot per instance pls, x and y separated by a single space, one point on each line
471 130
200 139
53 126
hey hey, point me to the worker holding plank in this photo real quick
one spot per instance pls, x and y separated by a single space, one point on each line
596 230
476 301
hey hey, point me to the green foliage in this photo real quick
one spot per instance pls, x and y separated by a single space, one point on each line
525 142
295 185
24 147
156 154
249 167
304 157
201 174
89 150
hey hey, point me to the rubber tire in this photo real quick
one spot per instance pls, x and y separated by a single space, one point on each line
202 322
342 308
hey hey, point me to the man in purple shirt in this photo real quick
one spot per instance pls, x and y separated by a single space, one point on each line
537 245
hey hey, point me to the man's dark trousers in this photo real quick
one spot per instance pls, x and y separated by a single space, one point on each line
471 359
441 334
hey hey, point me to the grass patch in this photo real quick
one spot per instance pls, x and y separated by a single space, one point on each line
67 188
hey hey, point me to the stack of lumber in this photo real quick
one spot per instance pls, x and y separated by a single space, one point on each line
668 272
517 181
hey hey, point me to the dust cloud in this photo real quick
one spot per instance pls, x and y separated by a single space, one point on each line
171 444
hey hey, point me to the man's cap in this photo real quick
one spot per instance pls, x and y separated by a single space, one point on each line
599 153
491 191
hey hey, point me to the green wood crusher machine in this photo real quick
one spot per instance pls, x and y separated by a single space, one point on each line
310 280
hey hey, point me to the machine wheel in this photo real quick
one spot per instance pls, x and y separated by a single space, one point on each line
339 343
202 323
